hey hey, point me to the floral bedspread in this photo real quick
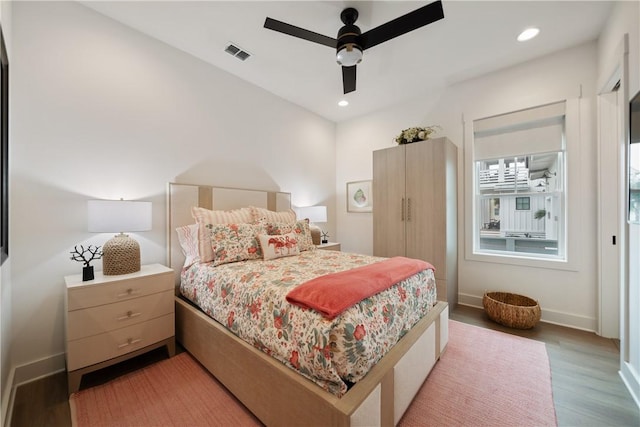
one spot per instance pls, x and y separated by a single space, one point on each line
248 297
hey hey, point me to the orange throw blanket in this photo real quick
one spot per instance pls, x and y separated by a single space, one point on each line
333 293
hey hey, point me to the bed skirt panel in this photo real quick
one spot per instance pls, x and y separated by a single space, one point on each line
277 395
411 371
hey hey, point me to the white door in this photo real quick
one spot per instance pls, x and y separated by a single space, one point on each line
610 201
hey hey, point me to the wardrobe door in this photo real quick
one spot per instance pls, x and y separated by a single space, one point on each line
389 202
421 218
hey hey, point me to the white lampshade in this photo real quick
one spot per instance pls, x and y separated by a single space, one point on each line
120 254
314 213
118 216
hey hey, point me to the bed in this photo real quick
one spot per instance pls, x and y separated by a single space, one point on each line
377 391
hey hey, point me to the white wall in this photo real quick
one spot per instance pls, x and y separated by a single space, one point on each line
356 140
102 111
565 296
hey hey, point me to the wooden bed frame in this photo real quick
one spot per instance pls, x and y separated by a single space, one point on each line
274 393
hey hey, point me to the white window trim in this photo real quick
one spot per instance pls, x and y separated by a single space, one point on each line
573 197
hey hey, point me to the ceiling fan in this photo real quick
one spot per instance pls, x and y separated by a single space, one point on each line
350 42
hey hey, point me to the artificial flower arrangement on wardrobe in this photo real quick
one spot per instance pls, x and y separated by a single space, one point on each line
415 134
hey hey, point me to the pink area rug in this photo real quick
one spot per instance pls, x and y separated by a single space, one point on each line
173 392
485 378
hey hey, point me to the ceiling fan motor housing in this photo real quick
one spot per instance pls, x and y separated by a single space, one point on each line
348 46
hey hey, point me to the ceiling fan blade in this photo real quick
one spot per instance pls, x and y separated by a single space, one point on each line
292 30
349 79
402 25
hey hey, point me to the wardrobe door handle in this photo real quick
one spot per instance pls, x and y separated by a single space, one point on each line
402 210
409 209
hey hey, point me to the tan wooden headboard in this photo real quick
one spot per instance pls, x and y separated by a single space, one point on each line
181 197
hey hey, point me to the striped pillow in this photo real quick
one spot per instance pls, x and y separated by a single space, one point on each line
262 215
205 218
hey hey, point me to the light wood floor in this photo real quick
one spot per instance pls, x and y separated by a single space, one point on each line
587 390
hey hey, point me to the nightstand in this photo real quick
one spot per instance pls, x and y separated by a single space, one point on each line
113 318
331 246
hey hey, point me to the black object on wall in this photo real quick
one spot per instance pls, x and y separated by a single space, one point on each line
4 151
634 159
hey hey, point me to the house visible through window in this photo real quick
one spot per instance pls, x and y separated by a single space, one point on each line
520 184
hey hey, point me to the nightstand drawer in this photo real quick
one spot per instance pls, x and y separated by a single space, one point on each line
104 318
331 246
98 348
117 290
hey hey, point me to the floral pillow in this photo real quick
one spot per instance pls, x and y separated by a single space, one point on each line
206 217
300 228
262 214
188 238
278 246
234 242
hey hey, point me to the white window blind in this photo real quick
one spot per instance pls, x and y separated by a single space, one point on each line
531 131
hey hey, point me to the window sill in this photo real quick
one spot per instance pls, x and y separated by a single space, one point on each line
524 261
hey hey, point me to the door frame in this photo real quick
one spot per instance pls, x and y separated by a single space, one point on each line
618 72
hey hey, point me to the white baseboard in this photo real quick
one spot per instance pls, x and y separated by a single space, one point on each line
548 316
39 368
631 380
25 374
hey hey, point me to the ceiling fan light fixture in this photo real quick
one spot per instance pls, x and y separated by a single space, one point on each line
349 55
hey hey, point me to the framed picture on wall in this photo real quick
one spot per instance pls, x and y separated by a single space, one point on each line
359 196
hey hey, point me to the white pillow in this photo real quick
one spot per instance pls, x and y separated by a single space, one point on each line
188 238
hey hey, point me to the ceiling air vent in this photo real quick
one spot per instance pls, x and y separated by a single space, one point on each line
236 51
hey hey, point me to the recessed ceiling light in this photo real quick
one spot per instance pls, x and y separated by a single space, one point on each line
343 103
528 34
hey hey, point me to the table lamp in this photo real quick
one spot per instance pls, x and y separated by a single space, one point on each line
314 214
121 254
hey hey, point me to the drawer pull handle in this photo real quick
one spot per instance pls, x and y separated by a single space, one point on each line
129 315
128 293
130 341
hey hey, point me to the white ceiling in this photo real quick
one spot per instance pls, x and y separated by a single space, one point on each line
474 38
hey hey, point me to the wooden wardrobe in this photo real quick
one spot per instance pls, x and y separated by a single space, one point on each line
415 208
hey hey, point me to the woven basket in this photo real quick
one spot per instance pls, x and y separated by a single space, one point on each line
512 310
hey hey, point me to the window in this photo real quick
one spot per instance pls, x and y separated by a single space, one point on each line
523 203
519 188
